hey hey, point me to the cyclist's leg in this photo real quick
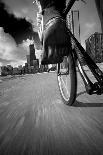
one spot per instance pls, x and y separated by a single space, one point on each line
55 34
56 41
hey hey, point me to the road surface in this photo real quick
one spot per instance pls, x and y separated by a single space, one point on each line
34 120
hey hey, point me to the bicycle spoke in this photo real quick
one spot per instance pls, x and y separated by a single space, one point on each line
65 85
67 80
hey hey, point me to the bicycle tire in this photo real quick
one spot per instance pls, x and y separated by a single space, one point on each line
71 67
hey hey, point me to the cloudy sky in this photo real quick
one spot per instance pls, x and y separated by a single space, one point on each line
18 20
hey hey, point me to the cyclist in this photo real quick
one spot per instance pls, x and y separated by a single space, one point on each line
53 31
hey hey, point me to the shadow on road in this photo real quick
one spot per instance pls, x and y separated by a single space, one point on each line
81 93
82 104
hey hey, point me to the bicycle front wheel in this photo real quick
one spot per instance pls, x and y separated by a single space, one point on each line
67 79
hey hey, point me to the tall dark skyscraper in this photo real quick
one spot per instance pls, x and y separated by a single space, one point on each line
99 5
32 54
74 23
28 59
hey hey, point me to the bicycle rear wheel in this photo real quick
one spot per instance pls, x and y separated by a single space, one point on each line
67 79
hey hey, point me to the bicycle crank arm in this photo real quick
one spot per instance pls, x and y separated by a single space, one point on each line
91 88
98 88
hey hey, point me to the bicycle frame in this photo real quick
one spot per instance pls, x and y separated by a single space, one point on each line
91 88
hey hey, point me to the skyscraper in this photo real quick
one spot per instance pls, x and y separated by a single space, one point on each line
99 5
28 59
74 23
32 54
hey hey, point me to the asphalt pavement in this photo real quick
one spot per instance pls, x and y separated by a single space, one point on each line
35 121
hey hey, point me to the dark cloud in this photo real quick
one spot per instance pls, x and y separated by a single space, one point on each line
19 28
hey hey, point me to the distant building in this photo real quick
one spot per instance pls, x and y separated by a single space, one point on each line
42 68
99 5
94 47
20 67
28 59
73 22
26 64
36 65
32 54
38 46
15 71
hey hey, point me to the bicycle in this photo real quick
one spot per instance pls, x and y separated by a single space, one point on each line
67 75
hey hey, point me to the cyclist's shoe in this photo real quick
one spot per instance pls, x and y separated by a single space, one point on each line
56 41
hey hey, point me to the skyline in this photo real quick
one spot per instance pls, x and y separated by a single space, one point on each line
25 11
